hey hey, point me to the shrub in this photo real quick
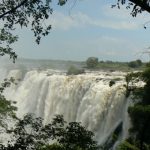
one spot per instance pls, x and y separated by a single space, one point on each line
74 71
92 62
135 64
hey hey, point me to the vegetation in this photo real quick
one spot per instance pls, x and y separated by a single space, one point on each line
139 113
26 13
74 71
62 2
118 66
138 6
31 134
92 62
127 146
135 64
7 109
33 13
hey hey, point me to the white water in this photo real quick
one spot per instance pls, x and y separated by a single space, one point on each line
84 98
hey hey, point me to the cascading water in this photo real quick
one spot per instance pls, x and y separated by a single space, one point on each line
85 98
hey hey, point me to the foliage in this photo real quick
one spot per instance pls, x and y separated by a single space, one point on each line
6 40
121 66
127 146
131 80
74 71
139 62
25 13
138 6
140 112
30 133
140 116
33 13
54 146
92 62
135 64
62 2
76 136
6 107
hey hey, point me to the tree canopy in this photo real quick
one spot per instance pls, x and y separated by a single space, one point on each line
92 62
30 134
139 112
23 13
138 6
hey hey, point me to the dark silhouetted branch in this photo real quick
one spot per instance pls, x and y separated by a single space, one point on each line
13 9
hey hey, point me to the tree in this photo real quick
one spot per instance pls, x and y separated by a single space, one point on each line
54 146
92 62
132 64
23 13
140 130
127 146
76 136
7 109
138 6
139 62
139 113
62 2
33 13
135 64
30 133
74 71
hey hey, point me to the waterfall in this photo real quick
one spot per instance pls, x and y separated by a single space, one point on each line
85 98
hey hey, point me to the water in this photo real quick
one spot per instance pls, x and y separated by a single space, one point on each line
85 98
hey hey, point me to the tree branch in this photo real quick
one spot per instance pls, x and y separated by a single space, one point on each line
145 6
13 9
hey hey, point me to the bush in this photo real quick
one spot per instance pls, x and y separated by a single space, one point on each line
135 64
74 71
127 146
139 62
92 62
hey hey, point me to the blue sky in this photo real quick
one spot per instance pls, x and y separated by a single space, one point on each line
90 28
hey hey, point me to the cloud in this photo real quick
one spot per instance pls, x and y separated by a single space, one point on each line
118 25
123 15
79 20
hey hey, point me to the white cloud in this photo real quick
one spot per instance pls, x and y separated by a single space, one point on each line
63 22
118 25
66 22
123 16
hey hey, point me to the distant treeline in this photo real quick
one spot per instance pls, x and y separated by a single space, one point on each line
94 63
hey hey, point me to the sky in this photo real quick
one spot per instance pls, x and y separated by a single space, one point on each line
89 28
